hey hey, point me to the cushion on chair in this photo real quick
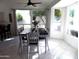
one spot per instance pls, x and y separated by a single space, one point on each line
42 31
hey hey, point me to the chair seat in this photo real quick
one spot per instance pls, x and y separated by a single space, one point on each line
33 38
42 32
33 43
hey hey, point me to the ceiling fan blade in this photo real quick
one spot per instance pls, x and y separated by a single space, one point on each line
37 3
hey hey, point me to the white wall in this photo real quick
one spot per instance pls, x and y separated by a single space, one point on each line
73 41
48 16
5 9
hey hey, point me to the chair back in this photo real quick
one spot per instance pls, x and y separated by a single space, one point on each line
33 37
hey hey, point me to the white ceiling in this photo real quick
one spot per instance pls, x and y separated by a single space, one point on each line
65 3
19 4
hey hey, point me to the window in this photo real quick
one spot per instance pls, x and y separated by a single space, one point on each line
23 18
42 21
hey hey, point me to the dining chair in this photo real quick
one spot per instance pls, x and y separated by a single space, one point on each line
33 40
8 30
43 35
22 42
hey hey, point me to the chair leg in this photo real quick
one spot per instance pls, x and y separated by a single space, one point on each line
20 49
46 45
38 51
20 46
27 52
38 48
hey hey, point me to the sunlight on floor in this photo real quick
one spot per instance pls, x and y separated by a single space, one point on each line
61 50
9 39
58 49
35 56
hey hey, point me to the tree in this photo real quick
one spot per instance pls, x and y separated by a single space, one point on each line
19 17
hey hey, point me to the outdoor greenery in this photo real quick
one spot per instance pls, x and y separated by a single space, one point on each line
38 13
57 13
19 17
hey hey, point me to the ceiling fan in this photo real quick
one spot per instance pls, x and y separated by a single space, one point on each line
32 3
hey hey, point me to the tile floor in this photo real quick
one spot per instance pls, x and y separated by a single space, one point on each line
58 49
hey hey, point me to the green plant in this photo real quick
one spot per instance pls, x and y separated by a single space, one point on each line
19 17
38 13
57 13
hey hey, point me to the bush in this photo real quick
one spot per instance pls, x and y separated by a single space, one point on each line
57 12
19 17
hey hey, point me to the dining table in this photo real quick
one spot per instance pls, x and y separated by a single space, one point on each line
25 32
